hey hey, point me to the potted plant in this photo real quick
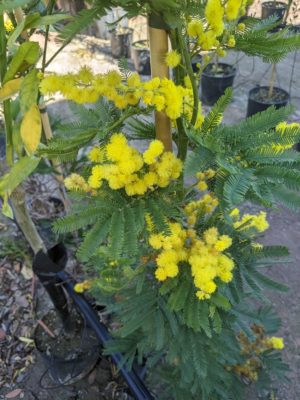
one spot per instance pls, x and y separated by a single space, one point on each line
262 97
174 264
274 8
216 78
140 54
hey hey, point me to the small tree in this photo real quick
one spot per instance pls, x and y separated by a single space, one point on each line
178 265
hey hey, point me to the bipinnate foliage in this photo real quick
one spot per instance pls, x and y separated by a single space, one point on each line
177 265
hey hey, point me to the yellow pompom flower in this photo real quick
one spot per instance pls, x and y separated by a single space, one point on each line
195 28
96 155
214 13
202 185
223 243
76 182
154 150
231 41
173 58
276 342
234 8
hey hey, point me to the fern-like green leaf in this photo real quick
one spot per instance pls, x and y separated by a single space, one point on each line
214 118
93 239
117 233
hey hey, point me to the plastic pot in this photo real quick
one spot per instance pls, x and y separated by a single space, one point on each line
271 8
120 42
214 81
67 357
258 99
140 54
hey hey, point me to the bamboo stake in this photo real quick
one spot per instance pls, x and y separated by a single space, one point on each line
158 49
55 163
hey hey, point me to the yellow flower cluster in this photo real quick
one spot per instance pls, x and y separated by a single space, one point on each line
122 166
173 58
82 286
235 9
204 205
203 177
216 13
85 87
259 221
8 25
275 342
205 257
77 183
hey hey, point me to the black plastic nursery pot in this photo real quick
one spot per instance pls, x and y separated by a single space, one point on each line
259 100
273 8
68 357
120 41
215 80
140 54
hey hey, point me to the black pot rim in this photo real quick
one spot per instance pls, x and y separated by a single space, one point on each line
281 3
257 88
223 76
140 48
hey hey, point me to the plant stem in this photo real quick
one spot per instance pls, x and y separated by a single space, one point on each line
49 12
24 220
21 214
272 81
6 103
158 48
190 72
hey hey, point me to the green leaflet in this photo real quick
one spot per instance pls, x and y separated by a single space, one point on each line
19 171
10 5
29 90
27 54
93 239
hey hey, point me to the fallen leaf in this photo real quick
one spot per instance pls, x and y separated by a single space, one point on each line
13 394
27 272
26 340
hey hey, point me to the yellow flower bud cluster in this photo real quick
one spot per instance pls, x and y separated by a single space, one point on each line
206 204
124 167
173 58
82 286
259 221
203 177
77 183
205 257
86 87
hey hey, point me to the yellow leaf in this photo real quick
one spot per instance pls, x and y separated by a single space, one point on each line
31 129
10 88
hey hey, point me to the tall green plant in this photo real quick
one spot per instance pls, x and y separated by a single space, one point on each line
178 265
